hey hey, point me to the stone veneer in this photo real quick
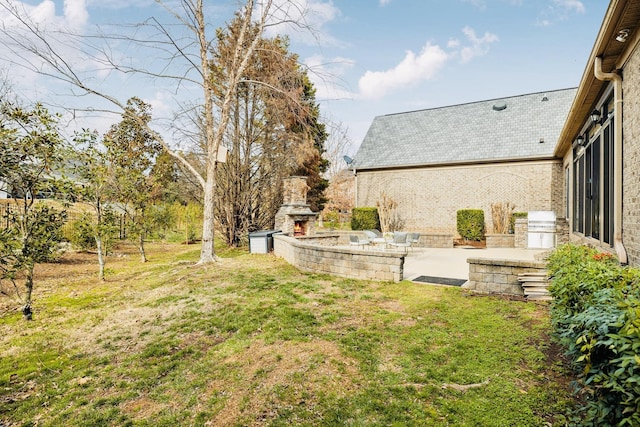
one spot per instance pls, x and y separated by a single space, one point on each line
492 276
521 229
310 255
500 240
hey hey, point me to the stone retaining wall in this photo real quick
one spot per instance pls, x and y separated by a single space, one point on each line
354 263
428 240
435 241
494 276
500 240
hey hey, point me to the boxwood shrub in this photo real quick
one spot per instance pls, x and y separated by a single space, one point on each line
470 224
596 317
365 219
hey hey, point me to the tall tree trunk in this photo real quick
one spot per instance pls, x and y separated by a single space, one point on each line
100 248
27 313
143 255
207 251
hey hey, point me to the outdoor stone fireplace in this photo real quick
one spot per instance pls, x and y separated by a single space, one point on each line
294 217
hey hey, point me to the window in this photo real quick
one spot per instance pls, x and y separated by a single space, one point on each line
593 174
567 189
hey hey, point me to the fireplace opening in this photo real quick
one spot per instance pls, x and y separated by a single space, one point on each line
300 228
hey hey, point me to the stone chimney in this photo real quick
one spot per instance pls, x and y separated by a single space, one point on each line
294 217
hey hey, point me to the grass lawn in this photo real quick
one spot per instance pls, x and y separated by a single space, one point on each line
252 341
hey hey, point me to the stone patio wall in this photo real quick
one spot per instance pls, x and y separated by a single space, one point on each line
355 263
427 240
494 276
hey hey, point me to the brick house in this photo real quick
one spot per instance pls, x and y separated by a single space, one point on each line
436 161
601 151
433 162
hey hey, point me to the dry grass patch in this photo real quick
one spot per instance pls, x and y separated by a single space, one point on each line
252 341
282 375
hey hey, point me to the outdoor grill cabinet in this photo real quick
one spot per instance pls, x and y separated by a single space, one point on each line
541 233
261 242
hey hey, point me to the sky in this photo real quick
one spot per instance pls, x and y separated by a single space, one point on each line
368 57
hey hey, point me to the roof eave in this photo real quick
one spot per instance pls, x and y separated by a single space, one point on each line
621 13
459 163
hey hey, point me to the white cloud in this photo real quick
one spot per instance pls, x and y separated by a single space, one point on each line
161 104
481 4
416 68
479 45
327 77
119 4
384 2
559 10
302 20
411 70
570 5
75 14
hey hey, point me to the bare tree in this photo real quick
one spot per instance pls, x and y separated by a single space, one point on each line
336 148
188 56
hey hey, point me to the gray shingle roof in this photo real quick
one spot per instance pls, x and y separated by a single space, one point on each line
473 132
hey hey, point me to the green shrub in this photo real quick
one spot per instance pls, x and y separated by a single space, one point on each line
596 317
163 218
83 231
82 236
365 219
332 219
512 220
470 224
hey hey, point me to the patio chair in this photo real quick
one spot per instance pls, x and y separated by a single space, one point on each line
374 236
400 241
354 240
413 239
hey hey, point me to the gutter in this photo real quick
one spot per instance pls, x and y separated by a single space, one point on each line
617 161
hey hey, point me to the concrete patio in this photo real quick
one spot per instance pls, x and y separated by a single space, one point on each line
452 262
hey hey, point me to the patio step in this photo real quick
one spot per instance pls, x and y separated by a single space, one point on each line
535 286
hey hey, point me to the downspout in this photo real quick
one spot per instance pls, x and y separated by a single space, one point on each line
355 186
617 160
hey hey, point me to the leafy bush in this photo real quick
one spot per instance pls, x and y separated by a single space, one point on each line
596 316
84 229
331 218
365 219
163 217
81 236
470 224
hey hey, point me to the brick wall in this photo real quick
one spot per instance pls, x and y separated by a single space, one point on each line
345 262
631 150
428 198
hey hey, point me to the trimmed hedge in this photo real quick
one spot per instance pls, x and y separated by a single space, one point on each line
470 224
596 317
365 219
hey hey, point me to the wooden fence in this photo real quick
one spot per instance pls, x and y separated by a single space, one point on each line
6 209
